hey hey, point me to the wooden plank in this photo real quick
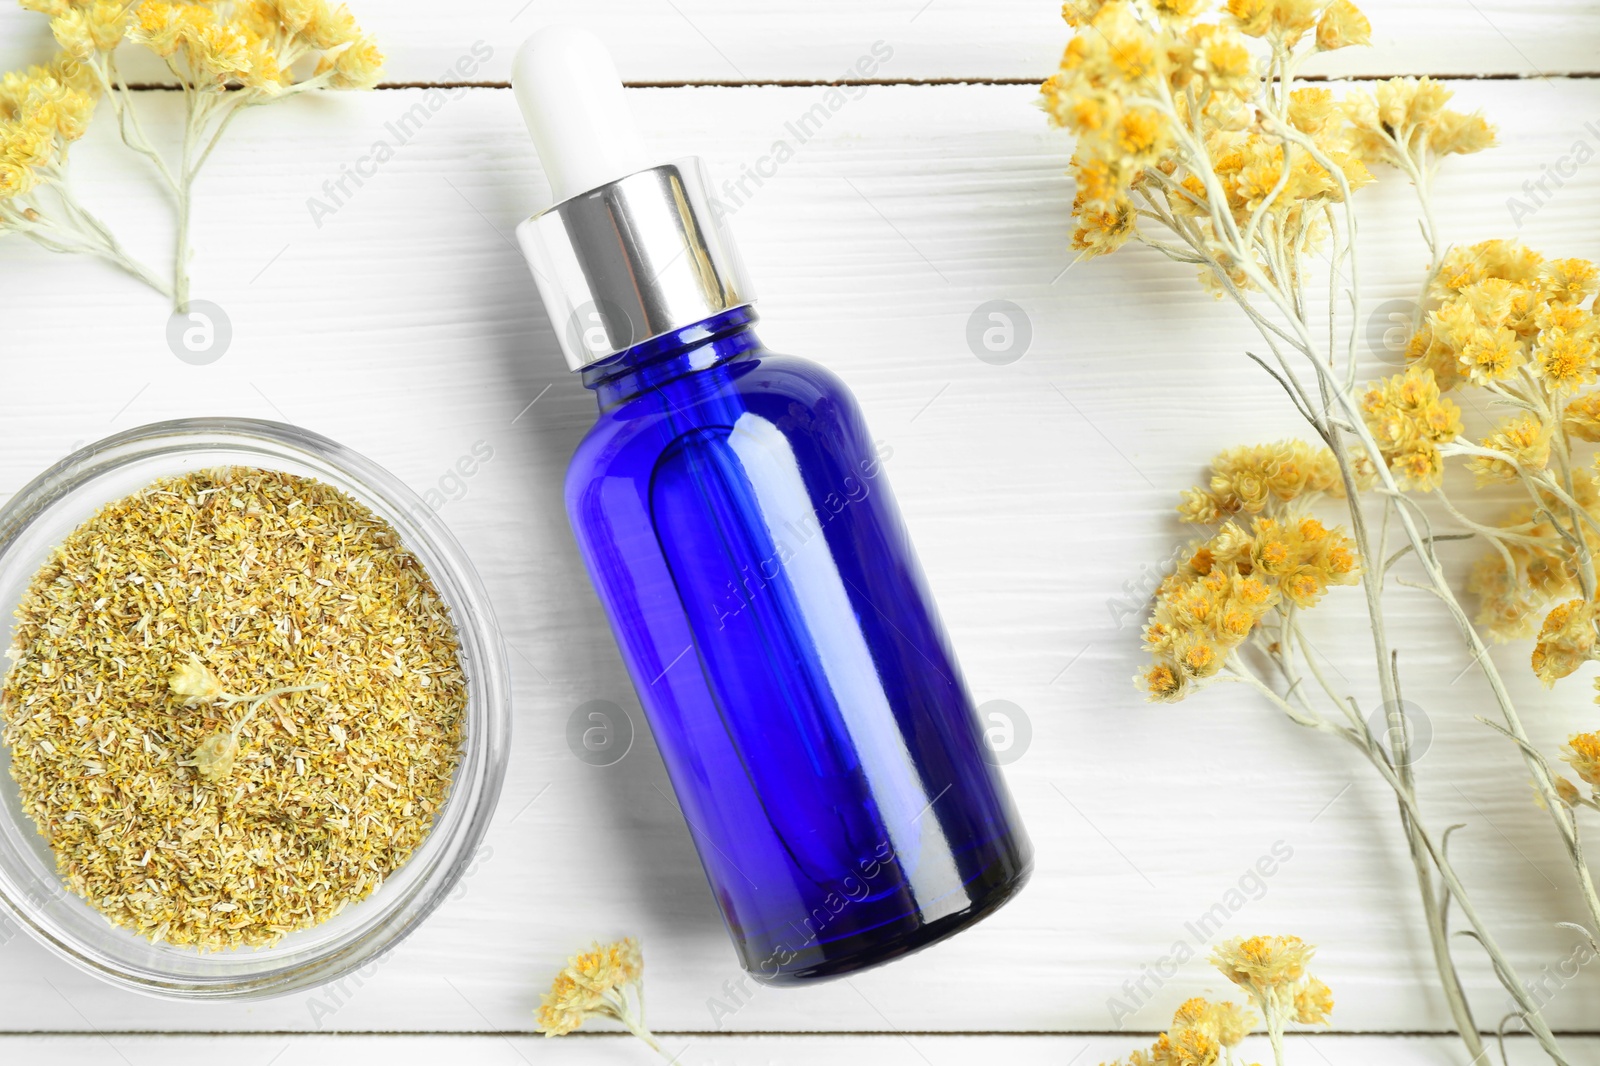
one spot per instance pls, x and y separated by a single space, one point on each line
704 1050
730 41
1040 494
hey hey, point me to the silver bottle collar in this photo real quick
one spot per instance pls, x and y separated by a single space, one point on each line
633 259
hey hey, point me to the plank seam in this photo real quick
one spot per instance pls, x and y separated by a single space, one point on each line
801 83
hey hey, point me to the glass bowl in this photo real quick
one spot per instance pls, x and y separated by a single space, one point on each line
63 497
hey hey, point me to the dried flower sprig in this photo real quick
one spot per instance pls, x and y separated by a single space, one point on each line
605 982
1194 138
226 55
214 756
1272 971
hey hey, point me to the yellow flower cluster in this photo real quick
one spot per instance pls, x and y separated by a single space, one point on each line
253 45
1583 754
1526 439
1566 641
1502 307
1273 970
1148 86
1201 1033
1405 123
594 984
1542 568
1409 420
1217 596
1254 477
42 111
84 27
1337 24
1508 320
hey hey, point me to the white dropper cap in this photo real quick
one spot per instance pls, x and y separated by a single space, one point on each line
572 100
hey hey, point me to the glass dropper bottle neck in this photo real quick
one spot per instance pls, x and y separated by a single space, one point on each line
655 362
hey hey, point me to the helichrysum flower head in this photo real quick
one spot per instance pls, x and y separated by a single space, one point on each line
1569 280
594 984
1218 595
1249 478
254 44
1185 1047
1272 970
1409 419
1525 439
1313 1002
1405 119
164 27
1286 20
195 682
1583 417
1342 24
1566 640
1541 571
1226 1023
1502 308
1583 754
357 65
1302 558
42 111
1260 963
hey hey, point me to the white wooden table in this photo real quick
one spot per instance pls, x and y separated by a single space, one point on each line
1040 494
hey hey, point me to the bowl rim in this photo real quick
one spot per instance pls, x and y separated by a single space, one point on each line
484 751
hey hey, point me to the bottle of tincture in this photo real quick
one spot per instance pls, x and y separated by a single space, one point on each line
734 513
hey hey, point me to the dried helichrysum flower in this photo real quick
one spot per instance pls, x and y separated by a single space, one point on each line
1216 597
1582 752
1286 20
1582 417
1131 66
1502 307
1203 611
1272 971
254 44
1252 477
1542 568
1184 1047
1342 24
1405 122
1303 557
1566 640
594 984
1260 963
1313 1002
42 110
1227 1023
1409 420
195 682
358 66
1525 439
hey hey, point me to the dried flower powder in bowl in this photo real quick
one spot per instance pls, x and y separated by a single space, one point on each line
234 707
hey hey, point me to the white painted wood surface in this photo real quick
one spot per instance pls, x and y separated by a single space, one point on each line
914 1049
1039 495
741 41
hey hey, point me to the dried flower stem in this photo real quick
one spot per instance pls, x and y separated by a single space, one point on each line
1291 307
1259 245
225 56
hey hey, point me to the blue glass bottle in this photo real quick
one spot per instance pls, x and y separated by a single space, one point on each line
735 516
